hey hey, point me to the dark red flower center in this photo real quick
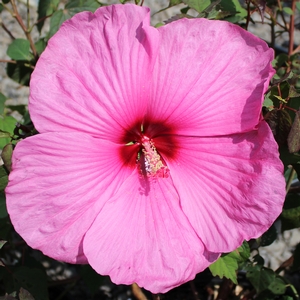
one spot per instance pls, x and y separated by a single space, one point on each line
147 145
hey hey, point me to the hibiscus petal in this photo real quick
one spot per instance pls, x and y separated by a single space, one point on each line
231 188
209 77
58 185
94 74
142 236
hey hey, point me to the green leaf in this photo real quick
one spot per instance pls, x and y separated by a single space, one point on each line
19 73
174 2
45 8
5 225
280 123
25 295
298 5
2 103
76 6
198 5
71 8
259 260
296 261
3 184
6 156
2 243
297 169
277 286
244 252
290 216
269 236
280 60
7 124
288 158
40 46
293 92
292 201
32 279
4 134
56 20
217 14
21 108
268 295
225 266
3 178
19 49
268 102
265 279
3 210
234 8
8 297
288 10
294 135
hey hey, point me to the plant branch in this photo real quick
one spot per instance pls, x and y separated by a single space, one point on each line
273 37
296 50
194 290
6 7
5 266
63 282
7 61
137 292
225 289
40 20
26 31
290 179
28 14
292 28
7 30
248 15
15 62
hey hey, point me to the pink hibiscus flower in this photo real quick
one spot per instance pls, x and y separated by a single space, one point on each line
152 158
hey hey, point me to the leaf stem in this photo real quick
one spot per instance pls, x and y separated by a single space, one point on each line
21 23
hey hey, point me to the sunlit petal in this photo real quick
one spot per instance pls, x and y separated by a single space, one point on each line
141 235
231 188
209 77
58 184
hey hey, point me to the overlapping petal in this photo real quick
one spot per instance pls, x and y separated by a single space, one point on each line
94 74
233 188
58 185
209 77
193 88
141 235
